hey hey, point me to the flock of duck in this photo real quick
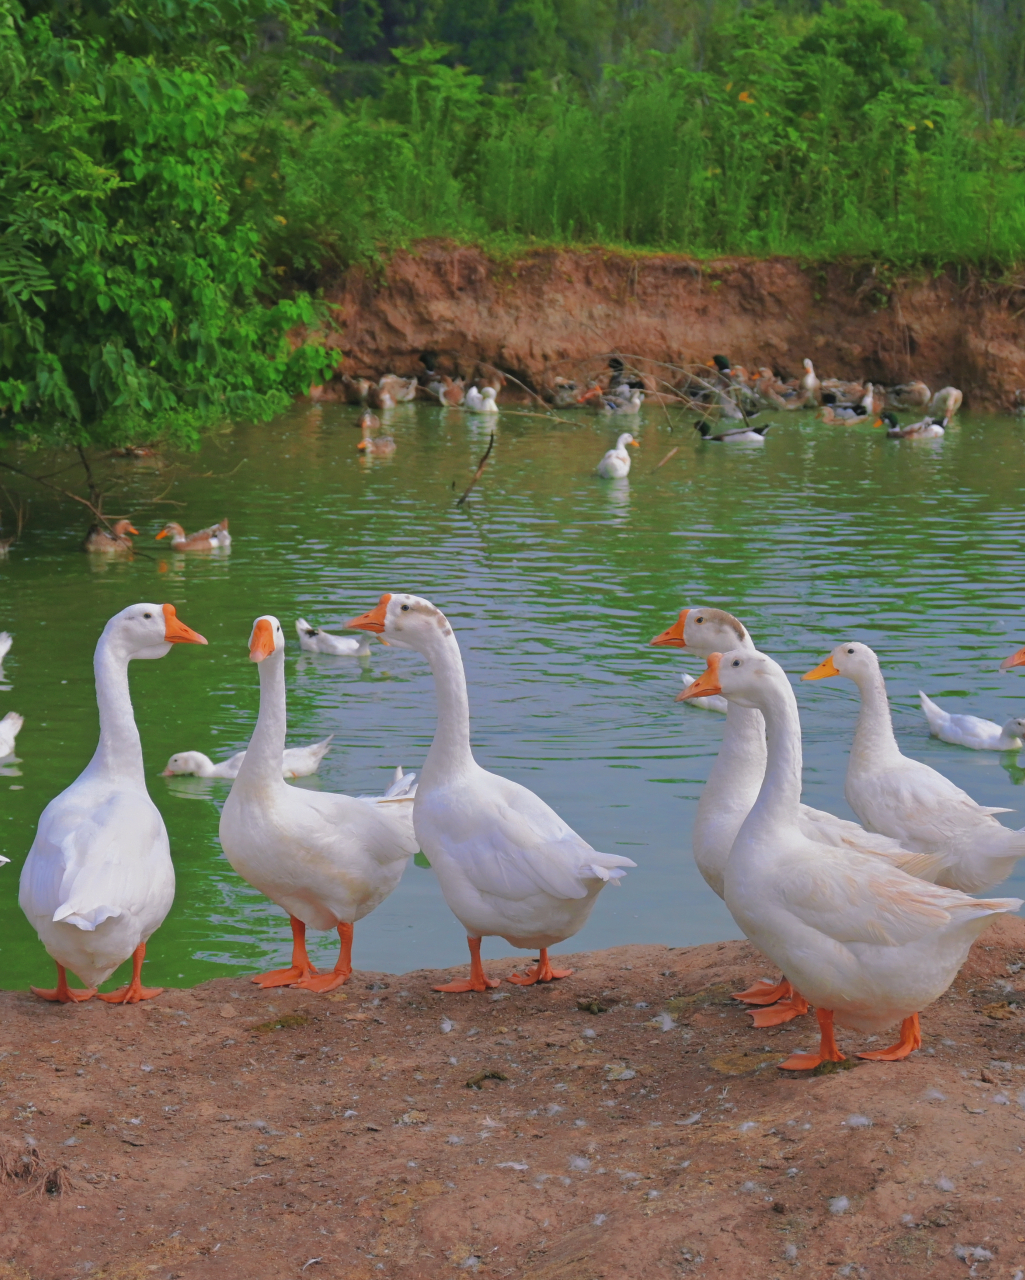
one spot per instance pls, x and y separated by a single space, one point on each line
868 923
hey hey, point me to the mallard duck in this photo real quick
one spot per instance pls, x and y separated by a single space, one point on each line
507 864
616 463
927 429
213 538
971 731
316 640
733 435
113 541
617 404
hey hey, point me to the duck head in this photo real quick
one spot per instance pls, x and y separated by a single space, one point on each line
407 621
121 527
267 637
738 674
853 660
625 439
705 631
148 631
170 530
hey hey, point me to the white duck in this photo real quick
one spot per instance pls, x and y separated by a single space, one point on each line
98 880
732 787
867 944
482 401
971 731
327 859
6 640
908 800
10 727
297 762
616 463
507 864
811 388
315 640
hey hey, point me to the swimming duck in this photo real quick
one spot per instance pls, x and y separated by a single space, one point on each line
733 783
447 390
482 401
867 944
945 404
6 640
738 435
98 880
315 640
631 403
376 446
970 731
908 800
507 864
616 462
10 727
836 413
327 859
211 539
113 541
297 762
924 430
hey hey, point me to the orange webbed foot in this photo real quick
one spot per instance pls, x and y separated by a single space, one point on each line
469 984
541 972
322 982
783 1011
910 1040
828 1049
131 994
290 977
765 992
65 994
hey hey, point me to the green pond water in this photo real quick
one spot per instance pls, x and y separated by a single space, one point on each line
555 582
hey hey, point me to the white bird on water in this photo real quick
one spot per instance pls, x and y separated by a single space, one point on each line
616 463
972 731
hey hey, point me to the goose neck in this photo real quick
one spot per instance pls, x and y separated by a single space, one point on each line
873 734
779 799
450 749
119 751
262 763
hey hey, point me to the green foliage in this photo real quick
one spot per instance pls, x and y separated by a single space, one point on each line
131 254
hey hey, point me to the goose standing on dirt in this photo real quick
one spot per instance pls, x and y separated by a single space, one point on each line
616 463
507 864
210 539
98 880
327 859
316 640
867 944
971 731
908 800
732 787
112 541
296 762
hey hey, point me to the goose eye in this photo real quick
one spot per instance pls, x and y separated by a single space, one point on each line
736 662
147 615
850 650
405 608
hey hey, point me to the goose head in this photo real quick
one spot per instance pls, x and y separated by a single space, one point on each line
185 762
625 439
148 631
741 675
267 637
705 631
407 621
170 530
854 660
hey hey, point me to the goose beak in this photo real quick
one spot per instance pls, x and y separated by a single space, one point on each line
633 444
825 668
672 637
132 529
375 619
176 632
261 642
164 533
707 683
1015 660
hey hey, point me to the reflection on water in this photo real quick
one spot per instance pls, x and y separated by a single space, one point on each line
555 581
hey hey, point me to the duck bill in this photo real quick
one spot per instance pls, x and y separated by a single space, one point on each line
1015 660
164 533
132 529
261 642
706 684
633 444
374 620
825 668
672 637
176 632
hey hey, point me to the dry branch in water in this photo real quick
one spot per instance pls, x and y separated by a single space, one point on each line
479 472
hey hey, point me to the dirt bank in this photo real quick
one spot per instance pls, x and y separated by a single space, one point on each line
229 1132
552 312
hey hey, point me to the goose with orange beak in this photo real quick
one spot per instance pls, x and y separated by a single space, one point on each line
908 800
868 945
326 859
507 864
98 880
732 787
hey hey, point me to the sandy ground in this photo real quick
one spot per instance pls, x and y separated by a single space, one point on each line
229 1132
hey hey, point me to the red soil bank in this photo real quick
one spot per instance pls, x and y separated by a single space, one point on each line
557 312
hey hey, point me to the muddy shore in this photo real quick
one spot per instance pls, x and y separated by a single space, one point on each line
557 312
560 1133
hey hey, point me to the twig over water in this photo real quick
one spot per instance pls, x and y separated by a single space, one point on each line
479 472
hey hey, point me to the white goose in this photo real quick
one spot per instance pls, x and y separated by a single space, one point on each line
6 640
482 401
316 640
732 787
616 463
972 731
507 864
98 880
297 762
866 943
908 800
10 727
327 859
